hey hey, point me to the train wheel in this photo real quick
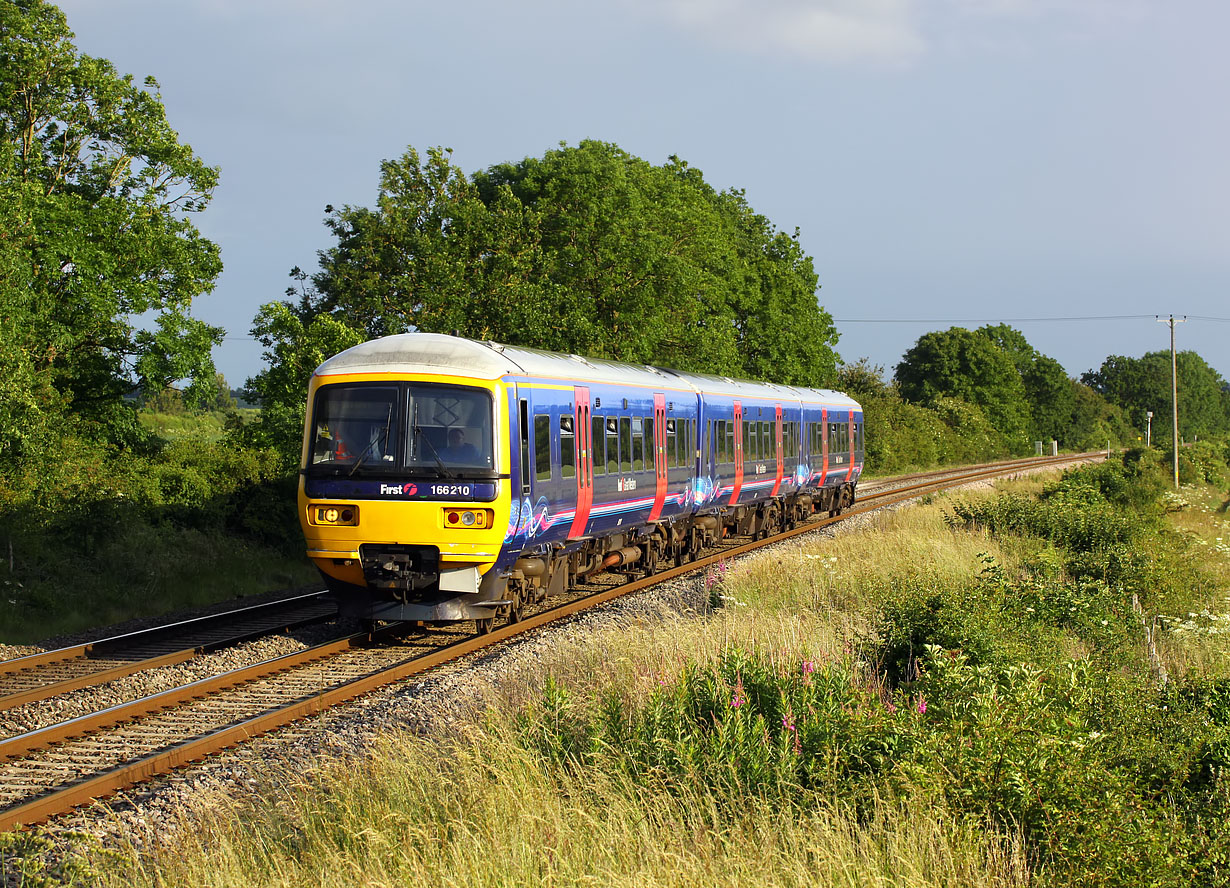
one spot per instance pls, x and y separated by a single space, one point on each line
516 610
485 625
649 563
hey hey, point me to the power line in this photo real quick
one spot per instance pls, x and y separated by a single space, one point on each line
1013 320
996 320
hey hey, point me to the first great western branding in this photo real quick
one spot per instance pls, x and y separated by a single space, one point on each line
345 488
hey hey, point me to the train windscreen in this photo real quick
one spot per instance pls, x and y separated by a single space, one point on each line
419 429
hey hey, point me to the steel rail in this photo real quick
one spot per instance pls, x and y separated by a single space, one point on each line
313 607
187 751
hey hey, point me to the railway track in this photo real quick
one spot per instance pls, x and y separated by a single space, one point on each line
52 770
48 674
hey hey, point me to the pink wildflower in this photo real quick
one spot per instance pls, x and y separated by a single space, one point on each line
788 720
738 699
922 705
891 707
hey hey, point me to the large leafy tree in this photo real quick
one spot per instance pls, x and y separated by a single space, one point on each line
1137 385
964 364
587 249
96 190
1048 390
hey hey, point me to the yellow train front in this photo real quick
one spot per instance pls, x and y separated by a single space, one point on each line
404 494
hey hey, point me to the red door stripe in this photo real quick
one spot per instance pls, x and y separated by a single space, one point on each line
777 437
734 497
659 455
585 463
824 445
850 471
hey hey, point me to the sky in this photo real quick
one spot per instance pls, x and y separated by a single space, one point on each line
1060 165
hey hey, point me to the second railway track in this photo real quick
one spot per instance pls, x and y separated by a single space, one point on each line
52 770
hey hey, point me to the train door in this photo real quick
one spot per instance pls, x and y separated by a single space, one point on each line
659 455
585 462
824 445
738 442
850 444
777 447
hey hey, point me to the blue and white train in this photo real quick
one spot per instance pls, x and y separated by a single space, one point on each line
445 479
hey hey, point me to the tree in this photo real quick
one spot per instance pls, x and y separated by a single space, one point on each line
587 249
1048 390
1137 385
970 366
96 189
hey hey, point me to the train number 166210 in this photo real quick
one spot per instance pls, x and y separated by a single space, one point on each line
451 490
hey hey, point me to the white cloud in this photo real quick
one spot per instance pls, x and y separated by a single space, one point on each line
891 32
823 30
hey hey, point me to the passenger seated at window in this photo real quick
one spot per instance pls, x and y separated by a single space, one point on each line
458 450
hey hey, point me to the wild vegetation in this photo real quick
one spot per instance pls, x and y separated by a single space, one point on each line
119 453
962 695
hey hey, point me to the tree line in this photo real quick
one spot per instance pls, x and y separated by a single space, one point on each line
586 249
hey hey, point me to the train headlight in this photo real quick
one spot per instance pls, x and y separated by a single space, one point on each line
470 519
335 516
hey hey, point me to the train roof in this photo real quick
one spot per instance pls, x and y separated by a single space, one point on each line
437 353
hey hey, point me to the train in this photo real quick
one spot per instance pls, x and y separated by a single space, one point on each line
445 479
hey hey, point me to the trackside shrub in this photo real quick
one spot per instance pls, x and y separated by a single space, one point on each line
1110 781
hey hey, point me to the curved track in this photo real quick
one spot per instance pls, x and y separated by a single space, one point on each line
55 769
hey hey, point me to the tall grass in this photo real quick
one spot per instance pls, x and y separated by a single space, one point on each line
482 810
959 695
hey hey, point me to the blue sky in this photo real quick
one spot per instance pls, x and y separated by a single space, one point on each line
945 160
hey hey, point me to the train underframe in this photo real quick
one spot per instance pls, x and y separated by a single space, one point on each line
406 582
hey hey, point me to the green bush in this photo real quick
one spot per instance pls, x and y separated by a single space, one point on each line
1111 781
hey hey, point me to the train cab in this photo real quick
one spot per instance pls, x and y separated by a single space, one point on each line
405 492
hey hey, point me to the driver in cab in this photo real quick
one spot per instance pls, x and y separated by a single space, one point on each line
459 451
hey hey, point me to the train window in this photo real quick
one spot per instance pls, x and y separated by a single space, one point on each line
747 441
597 444
525 446
651 447
625 444
567 448
612 446
542 447
638 444
672 458
730 441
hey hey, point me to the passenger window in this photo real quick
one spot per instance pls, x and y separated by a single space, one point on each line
542 447
612 446
672 458
651 447
730 441
625 445
596 443
567 448
638 444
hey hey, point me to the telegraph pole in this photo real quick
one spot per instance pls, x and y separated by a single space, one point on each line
1174 394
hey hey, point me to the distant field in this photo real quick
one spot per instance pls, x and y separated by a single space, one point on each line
208 426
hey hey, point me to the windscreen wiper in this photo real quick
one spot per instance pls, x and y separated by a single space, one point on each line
388 419
444 470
